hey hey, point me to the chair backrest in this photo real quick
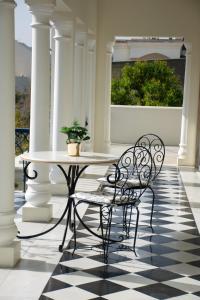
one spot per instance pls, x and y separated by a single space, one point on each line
134 164
156 147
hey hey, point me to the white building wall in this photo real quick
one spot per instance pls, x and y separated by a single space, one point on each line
138 120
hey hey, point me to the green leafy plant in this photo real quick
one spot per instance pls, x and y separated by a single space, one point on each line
147 84
75 133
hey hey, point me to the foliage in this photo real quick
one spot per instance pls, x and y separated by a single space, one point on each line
147 84
75 133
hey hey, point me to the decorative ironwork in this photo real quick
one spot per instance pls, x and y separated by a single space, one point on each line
135 164
156 147
21 140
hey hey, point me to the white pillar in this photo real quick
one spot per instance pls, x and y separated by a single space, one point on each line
9 249
63 88
90 91
182 153
79 77
103 97
38 192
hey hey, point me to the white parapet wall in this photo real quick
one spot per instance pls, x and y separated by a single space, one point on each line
130 122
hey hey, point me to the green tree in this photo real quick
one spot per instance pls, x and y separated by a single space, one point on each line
147 84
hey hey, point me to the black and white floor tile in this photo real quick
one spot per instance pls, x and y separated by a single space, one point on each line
167 265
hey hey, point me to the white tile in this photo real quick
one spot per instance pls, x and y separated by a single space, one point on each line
183 269
82 263
128 295
73 293
24 283
185 297
185 284
76 278
131 281
181 245
182 256
133 266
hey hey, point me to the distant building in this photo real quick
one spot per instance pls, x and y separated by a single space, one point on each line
147 49
128 51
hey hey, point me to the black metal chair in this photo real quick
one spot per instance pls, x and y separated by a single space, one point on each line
154 144
156 147
134 164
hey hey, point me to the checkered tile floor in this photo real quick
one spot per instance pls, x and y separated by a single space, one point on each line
167 265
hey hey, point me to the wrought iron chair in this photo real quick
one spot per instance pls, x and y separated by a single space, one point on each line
134 164
156 147
154 144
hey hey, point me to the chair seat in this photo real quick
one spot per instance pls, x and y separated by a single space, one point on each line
97 197
104 198
130 182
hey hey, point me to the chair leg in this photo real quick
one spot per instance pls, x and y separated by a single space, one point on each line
107 235
152 206
68 220
74 228
129 222
136 228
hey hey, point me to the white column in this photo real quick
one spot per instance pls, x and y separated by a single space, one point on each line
79 77
103 98
90 91
63 89
9 249
38 192
182 153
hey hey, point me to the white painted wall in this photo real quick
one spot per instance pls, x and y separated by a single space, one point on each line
130 122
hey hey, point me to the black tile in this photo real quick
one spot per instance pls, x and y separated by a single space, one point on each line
106 271
197 294
195 241
194 251
43 297
112 258
102 287
160 291
159 274
193 231
68 256
195 263
158 239
159 261
54 285
196 277
88 218
160 230
98 298
158 249
60 269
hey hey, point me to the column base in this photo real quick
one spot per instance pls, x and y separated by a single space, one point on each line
10 255
37 214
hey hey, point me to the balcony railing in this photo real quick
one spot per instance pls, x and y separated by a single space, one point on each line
21 140
22 145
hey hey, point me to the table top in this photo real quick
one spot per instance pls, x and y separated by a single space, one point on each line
61 157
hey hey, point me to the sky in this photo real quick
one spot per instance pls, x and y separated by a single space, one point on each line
22 23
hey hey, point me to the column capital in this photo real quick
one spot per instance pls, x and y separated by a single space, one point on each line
8 3
188 47
109 47
63 24
80 38
41 11
91 43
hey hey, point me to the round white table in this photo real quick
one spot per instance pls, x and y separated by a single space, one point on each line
77 164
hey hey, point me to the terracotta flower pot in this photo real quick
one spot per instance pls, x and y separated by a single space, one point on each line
73 149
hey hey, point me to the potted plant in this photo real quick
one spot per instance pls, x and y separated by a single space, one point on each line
75 135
